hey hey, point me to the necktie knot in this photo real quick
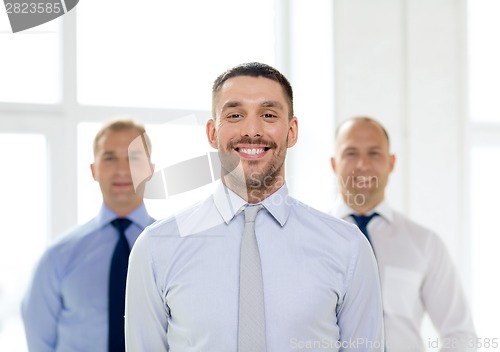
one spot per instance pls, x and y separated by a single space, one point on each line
362 221
251 212
121 224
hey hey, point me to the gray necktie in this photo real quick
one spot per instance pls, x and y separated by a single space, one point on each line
251 324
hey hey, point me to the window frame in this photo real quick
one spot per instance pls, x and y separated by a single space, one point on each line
58 122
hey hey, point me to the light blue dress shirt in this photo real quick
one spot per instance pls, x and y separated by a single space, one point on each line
321 287
66 307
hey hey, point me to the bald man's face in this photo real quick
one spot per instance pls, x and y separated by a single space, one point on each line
362 163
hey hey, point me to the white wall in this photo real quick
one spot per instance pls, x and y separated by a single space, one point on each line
402 62
310 70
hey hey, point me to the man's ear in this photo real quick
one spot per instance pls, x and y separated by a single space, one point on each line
293 132
392 161
211 133
92 169
334 164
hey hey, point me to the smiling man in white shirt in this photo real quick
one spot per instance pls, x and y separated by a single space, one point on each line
416 272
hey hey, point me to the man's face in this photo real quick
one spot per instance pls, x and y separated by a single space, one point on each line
362 163
251 130
112 168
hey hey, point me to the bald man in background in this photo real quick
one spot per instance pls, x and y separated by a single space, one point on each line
416 271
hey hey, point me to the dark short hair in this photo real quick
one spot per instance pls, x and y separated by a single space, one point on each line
121 124
254 69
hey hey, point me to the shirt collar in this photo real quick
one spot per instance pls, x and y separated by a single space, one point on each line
342 210
229 204
138 216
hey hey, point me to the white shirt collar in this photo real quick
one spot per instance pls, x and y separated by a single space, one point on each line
342 210
229 204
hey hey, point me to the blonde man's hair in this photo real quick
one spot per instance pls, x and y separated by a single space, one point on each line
121 124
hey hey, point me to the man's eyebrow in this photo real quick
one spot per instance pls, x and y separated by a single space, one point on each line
231 104
272 104
265 104
349 149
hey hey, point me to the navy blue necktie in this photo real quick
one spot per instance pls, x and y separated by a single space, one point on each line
362 222
117 282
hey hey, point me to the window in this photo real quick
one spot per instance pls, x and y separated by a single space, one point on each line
484 154
24 190
484 213
166 53
484 56
30 64
154 61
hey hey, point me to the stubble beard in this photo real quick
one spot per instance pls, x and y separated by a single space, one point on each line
255 183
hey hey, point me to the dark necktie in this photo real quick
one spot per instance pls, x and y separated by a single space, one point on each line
117 282
251 320
362 222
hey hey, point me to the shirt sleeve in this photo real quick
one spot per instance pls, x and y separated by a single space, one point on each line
146 316
359 316
445 301
41 306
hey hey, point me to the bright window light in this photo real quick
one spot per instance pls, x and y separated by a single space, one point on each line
30 63
484 195
166 54
24 190
484 60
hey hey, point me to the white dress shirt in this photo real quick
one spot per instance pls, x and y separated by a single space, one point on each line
417 276
321 286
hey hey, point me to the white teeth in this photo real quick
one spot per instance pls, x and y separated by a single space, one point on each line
364 178
252 151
